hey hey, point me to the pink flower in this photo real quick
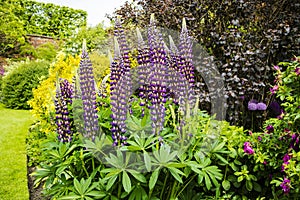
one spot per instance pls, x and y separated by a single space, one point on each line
276 67
297 71
247 148
274 89
286 185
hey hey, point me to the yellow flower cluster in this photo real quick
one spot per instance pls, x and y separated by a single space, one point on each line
42 103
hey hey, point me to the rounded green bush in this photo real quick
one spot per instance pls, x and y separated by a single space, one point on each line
17 85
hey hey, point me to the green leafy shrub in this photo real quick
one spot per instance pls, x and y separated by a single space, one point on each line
46 51
277 148
18 84
95 39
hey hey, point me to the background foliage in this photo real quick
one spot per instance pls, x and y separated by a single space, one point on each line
244 37
21 17
18 84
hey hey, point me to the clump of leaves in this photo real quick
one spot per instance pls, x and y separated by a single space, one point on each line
18 84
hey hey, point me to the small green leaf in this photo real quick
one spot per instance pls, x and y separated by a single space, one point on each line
138 176
221 158
207 181
153 179
175 173
77 186
111 182
147 161
226 185
126 182
249 185
256 187
240 179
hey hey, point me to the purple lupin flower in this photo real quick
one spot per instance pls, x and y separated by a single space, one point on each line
120 94
286 185
144 68
158 77
247 148
64 124
185 49
88 95
286 158
181 62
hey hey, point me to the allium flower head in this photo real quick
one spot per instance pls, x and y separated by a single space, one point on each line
252 106
261 106
247 148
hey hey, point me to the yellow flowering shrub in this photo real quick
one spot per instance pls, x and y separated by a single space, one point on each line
42 103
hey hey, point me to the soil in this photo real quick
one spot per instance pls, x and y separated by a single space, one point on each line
35 193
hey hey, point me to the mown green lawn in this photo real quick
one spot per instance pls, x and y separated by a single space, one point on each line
14 126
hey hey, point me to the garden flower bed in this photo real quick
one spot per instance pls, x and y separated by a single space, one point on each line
151 141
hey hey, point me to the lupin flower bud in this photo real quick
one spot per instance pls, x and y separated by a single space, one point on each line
64 123
88 95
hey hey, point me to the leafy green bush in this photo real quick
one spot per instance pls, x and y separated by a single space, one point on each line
277 148
18 84
46 51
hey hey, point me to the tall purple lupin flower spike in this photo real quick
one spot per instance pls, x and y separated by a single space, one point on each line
88 95
64 124
121 85
158 77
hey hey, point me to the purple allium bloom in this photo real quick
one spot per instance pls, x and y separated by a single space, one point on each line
261 106
88 95
63 121
252 106
297 71
286 185
270 128
247 148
